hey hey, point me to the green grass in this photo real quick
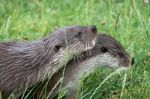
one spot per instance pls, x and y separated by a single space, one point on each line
126 20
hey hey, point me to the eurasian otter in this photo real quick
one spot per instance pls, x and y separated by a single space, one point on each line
23 64
107 52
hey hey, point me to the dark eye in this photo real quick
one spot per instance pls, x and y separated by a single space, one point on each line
57 48
104 49
78 34
121 55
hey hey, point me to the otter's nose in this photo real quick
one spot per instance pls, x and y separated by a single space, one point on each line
93 28
132 61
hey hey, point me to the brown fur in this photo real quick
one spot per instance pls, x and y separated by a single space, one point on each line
107 52
23 64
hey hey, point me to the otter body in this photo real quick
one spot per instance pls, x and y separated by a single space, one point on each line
107 52
24 64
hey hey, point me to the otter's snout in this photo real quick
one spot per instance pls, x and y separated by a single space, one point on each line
92 29
129 61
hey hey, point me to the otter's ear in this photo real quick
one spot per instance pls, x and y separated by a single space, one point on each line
57 47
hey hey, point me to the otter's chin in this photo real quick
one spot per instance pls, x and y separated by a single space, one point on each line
91 45
94 41
123 67
88 48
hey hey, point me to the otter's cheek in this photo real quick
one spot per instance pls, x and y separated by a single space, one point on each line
115 66
91 45
88 47
77 48
115 63
61 50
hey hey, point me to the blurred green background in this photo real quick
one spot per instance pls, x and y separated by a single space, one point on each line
126 20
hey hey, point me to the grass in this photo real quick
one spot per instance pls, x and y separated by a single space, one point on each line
126 20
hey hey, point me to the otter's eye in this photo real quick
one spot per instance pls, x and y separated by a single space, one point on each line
104 49
57 48
120 55
79 34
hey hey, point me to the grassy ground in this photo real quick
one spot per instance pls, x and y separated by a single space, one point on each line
126 20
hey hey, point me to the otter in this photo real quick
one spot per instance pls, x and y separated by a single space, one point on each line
22 64
107 52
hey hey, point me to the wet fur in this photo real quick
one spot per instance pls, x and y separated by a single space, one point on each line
24 64
86 63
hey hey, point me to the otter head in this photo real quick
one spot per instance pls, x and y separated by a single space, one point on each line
111 53
75 38
65 43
